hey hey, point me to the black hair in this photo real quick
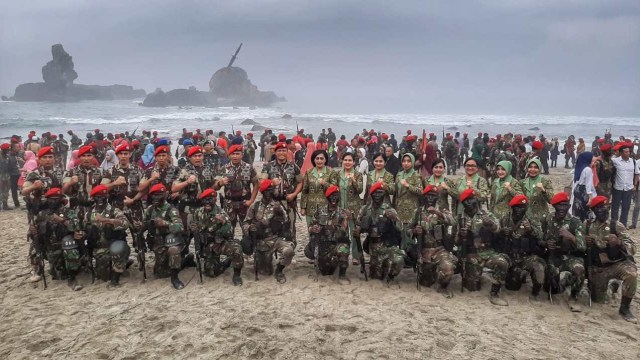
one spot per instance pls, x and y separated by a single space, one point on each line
348 153
316 153
438 161
377 155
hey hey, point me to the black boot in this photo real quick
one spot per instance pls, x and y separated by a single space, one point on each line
535 290
115 278
189 261
625 311
237 280
5 206
494 296
342 276
280 278
175 281
73 283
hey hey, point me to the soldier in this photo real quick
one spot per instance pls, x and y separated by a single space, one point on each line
451 155
383 226
605 171
429 225
287 182
476 230
163 172
58 230
214 234
164 227
411 147
267 225
329 237
522 239
526 158
565 248
5 178
128 177
61 149
79 181
105 226
237 177
611 252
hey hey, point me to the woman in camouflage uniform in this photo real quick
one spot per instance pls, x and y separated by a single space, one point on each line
503 189
409 187
314 184
538 189
379 173
470 180
442 183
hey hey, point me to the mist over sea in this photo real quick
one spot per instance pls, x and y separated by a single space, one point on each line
126 115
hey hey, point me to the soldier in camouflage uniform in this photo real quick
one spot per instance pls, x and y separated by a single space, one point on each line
105 226
237 177
522 239
409 185
611 252
605 171
80 181
503 189
538 189
214 233
429 225
565 248
411 147
267 225
476 232
450 152
163 172
383 226
5 178
329 236
287 182
57 229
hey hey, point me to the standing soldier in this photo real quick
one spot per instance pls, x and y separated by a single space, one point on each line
565 247
287 182
105 226
237 177
80 181
611 253
383 226
128 177
266 225
214 238
476 231
61 149
164 227
451 155
163 172
429 225
5 178
329 237
605 171
250 149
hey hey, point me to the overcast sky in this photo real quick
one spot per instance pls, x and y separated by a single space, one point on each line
579 57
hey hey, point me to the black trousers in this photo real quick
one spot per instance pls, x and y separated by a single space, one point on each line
14 189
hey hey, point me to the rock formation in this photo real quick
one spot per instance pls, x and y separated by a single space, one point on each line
58 75
179 97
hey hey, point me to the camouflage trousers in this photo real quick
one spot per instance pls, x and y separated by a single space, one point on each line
438 265
452 165
626 271
63 263
106 262
499 263
236 210
571 264
167 258
389 260
231 249
532 265
267 248
332 255
5 186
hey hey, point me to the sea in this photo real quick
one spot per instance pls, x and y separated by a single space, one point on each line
18 118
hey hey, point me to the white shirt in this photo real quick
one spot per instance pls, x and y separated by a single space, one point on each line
625 173
586 179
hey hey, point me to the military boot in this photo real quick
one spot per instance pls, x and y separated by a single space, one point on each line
280 278
625 311
443 289
175 280
73 283
237 279
115 278
573 302
494 296
342 276
535 289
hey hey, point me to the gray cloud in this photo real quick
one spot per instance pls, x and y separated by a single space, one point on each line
536 57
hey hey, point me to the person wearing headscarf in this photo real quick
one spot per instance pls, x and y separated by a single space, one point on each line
148 160
538 190
503 189
30 165
408 190
583 189
73 161
307 163
109 161
470 180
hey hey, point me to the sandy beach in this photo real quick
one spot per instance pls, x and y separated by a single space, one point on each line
300 319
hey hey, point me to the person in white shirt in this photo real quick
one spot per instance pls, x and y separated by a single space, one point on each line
626 180
583 189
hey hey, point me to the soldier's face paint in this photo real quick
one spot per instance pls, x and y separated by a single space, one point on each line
208 203
46 161
562 209
602 212
470 206
157 199
431 199
54 202
101 202
267 196
501 172
334 198
533 170
377 197
518 211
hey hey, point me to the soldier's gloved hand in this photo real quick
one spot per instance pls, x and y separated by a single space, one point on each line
527 225
78 235
464 231
161 223
590 240
551 244
220 218
315 229
486 220
418 230
253 228
32 230
613 240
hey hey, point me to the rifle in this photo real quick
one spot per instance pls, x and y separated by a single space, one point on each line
363 268
463 250
199 246
133 134
419 259
297 127
139 245
41 244
254 242
316 254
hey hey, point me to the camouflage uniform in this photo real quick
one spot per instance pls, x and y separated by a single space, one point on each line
450 153
188 201
313 192
333 240
500 197
168 175
132 176
101 237
79 196
290 175
605 171
64 261
349 200
481 252
217 240
523 163
478 183
438 264
271 221
387 179
383 240
443 200
569 257
241 177
538 200
5 178
406 202
167 257
610 263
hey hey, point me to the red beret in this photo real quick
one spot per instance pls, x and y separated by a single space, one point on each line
374 187
361 140
53 192
250 134
600 141
466 194
519 200
123 147
5 146
45 150
559 197
135 142
412 138
385 136
157 188
331 190
280 145
99 190
617 146
265 184
605 147
429 188
371 142
235 148
597 201
537 145
282 137
85 149
208 192
194 150
160 150
54 136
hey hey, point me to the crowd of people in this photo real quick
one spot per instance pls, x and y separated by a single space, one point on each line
393 199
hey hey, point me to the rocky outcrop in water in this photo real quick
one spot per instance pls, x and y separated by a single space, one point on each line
231 86
179 97
59 75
